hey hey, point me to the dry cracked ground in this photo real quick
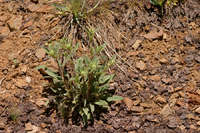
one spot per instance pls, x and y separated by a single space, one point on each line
158 73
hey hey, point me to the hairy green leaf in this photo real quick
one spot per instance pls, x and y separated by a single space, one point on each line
114 98
102 103
92 108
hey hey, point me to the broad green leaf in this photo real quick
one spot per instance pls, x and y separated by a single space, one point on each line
85 102
87 113
103 88
102 103
105 79
114 98
51 73
48 71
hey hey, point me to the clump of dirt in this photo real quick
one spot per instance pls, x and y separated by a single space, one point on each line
157 71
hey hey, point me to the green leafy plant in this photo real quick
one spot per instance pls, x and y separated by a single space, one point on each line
81 85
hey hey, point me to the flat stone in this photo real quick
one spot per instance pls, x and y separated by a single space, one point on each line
40 53
4 17
136 125
163 61
31 128
197 110
39 8
15 22
2 126
132 132
173 123
21 83
166 80
193 127
4 31
154 34
28 79
198 91
160 99
128 102
197 59
146 105
182 127
137 109
192 117
152 118
198 123
42 102
35 129
140 65
33 7
136 102
43 125
23 69
28 127
137 44
166 111
175 60
155 78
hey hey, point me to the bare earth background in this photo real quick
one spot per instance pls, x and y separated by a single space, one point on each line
160 79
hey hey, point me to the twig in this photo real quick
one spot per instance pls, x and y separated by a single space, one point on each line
94 7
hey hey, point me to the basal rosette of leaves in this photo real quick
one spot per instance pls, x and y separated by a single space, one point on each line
83 88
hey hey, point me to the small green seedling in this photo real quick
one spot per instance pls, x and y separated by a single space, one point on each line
15 62
14 114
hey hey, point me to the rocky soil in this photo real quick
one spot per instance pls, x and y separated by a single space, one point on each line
158 73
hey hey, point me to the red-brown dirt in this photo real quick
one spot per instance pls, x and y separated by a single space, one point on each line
158 73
